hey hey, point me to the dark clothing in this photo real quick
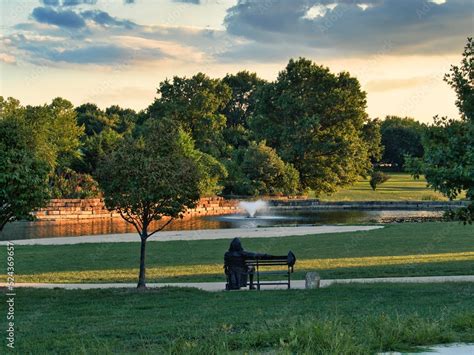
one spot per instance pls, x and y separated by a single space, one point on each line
236 269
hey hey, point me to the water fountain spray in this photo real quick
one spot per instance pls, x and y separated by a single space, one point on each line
251 207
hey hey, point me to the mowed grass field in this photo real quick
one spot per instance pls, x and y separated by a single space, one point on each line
400 187
410 249
341 319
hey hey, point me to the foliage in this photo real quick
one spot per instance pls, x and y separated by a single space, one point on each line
315 120
211 171
23 171
448 162
195 103
151 176
377 178
265 173
94 119
70 184
95 147
124 120
400 137
57 133
241 106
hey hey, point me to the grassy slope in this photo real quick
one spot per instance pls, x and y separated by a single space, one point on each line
396 250
340 319
400 187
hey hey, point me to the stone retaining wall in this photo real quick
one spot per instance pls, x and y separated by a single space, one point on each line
69 209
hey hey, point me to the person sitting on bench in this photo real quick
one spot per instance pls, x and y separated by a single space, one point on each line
235 267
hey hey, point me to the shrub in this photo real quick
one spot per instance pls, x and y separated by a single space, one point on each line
70 184
377 178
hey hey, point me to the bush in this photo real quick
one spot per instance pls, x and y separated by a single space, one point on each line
258 170
70 184
377 178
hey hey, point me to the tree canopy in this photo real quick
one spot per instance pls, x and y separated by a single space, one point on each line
306 130
196 104
448 162
315 120
152 175
401 137
24 170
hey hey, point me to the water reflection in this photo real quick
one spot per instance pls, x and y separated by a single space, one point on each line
48 229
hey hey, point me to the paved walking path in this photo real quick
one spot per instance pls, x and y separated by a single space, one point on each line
197 235
219 286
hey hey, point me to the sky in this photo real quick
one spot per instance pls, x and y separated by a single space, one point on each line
118 51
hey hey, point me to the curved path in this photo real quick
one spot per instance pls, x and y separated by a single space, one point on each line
220 286
197 235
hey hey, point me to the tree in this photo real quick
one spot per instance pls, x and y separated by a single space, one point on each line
56 131
448 162
150 176
400 137
258 170
124 119
195 103
241 106
94 119
267 173
95 147
377 178
23 173
316 120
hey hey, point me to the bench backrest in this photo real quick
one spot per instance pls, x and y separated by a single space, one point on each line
269 262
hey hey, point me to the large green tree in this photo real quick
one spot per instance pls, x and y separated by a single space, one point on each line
24 170
400 137
151 176
58 134
448 163
241 106
316 120
196 104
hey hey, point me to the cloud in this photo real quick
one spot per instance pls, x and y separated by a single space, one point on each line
104 19
95 54
59 18
409 26
78 2
7 58
50 2
195 2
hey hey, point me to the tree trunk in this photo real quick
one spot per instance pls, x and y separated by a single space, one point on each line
141 275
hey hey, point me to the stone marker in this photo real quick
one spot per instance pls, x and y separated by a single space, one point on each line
312 280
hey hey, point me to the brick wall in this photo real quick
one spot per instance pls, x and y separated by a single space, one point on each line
67 209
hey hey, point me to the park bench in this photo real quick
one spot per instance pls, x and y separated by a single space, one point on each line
258 266
287 269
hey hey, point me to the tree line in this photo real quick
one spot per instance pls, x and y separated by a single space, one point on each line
307 130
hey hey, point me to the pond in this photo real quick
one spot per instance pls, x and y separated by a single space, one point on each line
49 229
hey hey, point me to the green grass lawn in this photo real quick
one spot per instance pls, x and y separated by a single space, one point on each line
411 249
400 187
342 319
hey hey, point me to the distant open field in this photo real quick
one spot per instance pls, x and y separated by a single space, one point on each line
400 187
